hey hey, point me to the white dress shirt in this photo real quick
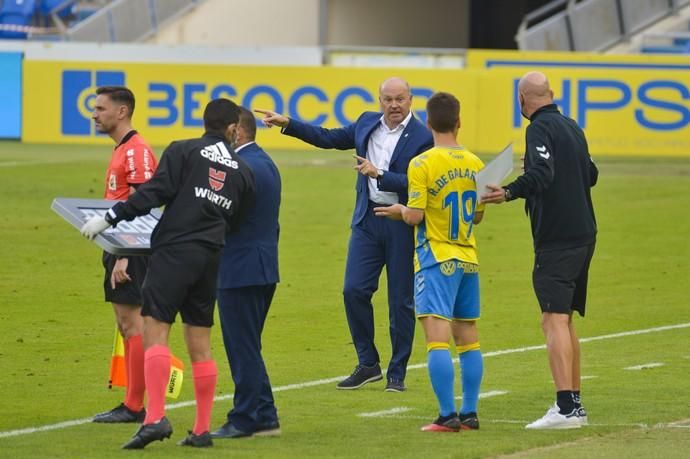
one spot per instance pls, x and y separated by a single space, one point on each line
237 150
380 149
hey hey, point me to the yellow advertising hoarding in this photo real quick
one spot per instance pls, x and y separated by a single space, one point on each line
626 106
629 105
623 113
58 97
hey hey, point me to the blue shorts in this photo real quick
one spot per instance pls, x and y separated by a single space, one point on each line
448 290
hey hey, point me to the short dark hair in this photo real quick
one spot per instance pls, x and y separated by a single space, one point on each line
219 114
443 112
120 95
248 122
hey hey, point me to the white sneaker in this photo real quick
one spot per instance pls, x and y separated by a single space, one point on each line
555 420
582 416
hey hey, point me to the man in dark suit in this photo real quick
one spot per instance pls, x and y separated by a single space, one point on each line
385 143
246 283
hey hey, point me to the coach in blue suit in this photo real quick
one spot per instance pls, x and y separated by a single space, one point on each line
247 280
385 143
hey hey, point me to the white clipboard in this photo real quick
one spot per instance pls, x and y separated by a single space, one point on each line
496 171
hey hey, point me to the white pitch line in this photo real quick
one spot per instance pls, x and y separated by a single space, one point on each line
59 425
380 414
644 366
319 382
491 393
681 423
587 377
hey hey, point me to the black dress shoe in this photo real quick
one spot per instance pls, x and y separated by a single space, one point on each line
120 414
395 385
148 433
198 441
230 431
268 429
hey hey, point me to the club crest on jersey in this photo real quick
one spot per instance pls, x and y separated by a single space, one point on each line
216 179
448 267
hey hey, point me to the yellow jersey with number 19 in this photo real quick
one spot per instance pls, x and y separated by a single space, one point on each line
442 184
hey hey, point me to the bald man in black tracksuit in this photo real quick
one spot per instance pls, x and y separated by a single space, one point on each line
559 174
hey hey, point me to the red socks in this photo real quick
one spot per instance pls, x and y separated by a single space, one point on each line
134 361
157 374
205 377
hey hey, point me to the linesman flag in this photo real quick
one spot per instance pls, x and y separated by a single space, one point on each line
118 369
118 366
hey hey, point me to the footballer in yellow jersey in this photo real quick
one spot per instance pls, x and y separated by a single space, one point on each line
442 184
443 208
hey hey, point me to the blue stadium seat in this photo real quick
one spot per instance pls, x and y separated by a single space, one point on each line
681 41
63 8
16 12
668 49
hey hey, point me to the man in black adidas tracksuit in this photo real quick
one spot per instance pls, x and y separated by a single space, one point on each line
556 185
206 188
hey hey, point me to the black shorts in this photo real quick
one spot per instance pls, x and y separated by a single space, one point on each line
560 279
182 278
128 292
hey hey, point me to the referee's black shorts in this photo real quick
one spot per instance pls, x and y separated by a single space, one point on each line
127 292
560 279
182 278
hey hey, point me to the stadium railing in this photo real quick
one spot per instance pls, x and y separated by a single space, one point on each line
590 25
128 20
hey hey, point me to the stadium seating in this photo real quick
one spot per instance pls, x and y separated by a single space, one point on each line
62 8
44 17
667 43
669 49
13 15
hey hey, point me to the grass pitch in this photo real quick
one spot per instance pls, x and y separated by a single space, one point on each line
56 332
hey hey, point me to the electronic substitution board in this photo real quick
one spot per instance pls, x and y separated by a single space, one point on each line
128 238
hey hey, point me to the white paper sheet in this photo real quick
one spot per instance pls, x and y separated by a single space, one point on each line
496 171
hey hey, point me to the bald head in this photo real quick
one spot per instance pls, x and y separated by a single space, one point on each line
534 92
534 84
396 101
394 84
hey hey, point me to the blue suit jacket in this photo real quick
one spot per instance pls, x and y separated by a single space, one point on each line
250 255
415 139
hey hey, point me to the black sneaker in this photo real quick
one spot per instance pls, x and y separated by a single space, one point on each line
120 414
148 433
197 441
395 385
469 421
450 423
360 376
